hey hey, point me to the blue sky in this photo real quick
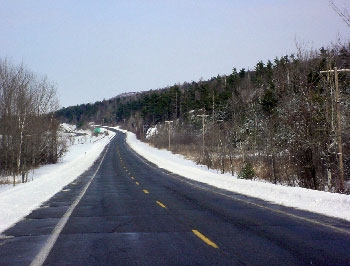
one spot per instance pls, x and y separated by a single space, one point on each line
95 50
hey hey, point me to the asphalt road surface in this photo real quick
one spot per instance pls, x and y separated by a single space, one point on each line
126 211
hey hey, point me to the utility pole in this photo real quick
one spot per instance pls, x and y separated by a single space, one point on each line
176 107
339 128
213 106
203 123
169 123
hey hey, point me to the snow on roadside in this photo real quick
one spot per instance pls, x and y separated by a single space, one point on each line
331 204
19 201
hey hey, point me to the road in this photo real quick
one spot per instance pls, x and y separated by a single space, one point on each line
126 211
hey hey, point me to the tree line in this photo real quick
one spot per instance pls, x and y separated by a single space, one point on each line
28 129
276 122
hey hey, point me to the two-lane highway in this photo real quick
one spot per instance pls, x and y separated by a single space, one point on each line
125 211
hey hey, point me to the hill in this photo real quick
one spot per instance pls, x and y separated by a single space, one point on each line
278 122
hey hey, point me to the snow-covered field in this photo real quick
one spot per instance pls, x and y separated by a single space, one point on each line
17 202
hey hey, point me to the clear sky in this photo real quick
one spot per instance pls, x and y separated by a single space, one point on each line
95 50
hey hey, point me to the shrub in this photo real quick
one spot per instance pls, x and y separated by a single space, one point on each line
247 171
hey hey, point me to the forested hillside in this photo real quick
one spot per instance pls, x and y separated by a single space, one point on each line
278 122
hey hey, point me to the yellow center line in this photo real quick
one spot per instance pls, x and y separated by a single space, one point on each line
205 239
161 204
137 183
132 178
145 191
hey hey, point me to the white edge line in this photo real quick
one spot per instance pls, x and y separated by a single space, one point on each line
44 252
184 180
309 220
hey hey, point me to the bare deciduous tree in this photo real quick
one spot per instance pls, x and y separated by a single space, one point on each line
28 130
343 12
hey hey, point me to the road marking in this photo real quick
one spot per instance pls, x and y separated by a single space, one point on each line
44 252
132 178
2 237
161 204
309 220
205 239
145 191
137 183
312 221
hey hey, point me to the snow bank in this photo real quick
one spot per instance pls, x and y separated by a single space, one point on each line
331 204
19 201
